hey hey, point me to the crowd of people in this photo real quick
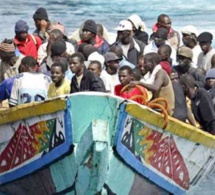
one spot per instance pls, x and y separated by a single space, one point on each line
48 63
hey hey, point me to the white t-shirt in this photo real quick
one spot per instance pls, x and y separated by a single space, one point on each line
196 51
204 61
29 87
110 81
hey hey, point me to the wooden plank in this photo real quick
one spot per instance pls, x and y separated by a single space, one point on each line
24 111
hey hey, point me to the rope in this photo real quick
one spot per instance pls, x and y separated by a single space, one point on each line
151 104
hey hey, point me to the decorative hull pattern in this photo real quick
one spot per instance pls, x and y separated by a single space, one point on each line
91 143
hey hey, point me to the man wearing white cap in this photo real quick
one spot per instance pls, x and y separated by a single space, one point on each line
132 48
189 38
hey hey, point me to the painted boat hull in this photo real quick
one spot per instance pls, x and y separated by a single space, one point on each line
94 143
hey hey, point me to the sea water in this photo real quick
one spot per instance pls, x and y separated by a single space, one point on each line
108 12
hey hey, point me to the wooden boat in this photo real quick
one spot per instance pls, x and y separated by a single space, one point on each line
95 143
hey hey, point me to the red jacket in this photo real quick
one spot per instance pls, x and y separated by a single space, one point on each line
30 46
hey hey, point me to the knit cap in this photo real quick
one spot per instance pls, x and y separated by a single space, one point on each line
21 26
210 74
205 37
90 26
41 14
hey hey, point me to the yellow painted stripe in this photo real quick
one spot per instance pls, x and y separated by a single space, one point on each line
174 126
24 111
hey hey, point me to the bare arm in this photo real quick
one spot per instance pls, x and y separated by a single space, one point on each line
158 83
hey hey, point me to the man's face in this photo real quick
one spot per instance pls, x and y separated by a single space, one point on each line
56 74
124 77
22 36
75 65
186 39
162 53
183 61
210 82
166 23
205 46
87 36
124 36
159 41
148 65
113 65
37 23
93 67
141 66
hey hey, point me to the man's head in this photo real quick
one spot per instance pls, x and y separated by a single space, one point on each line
165 52
141 65
88 49
58 48
76 63
189 36
160 36
188 83
185 55
111 62
21 30
205 40
136 74
164 21
39 16
150 61
95 67
7 50
63 61
210 78
125 75
117 50
89 31
56 34
57 73
124 29
174 75
28 64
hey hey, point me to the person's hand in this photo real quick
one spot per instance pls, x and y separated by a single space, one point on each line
133 83
43 25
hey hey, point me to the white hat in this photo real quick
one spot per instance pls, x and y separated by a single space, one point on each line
137 22
124 25
96 56
190 30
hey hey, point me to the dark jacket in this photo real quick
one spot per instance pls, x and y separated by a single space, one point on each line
203 110
180 110
89 82
135 50
141 36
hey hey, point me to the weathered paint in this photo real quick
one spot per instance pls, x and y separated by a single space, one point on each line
164 158
74 172
174 126
31 143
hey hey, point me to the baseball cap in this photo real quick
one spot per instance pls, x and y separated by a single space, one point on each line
124 25
110 56
190 29
186 52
